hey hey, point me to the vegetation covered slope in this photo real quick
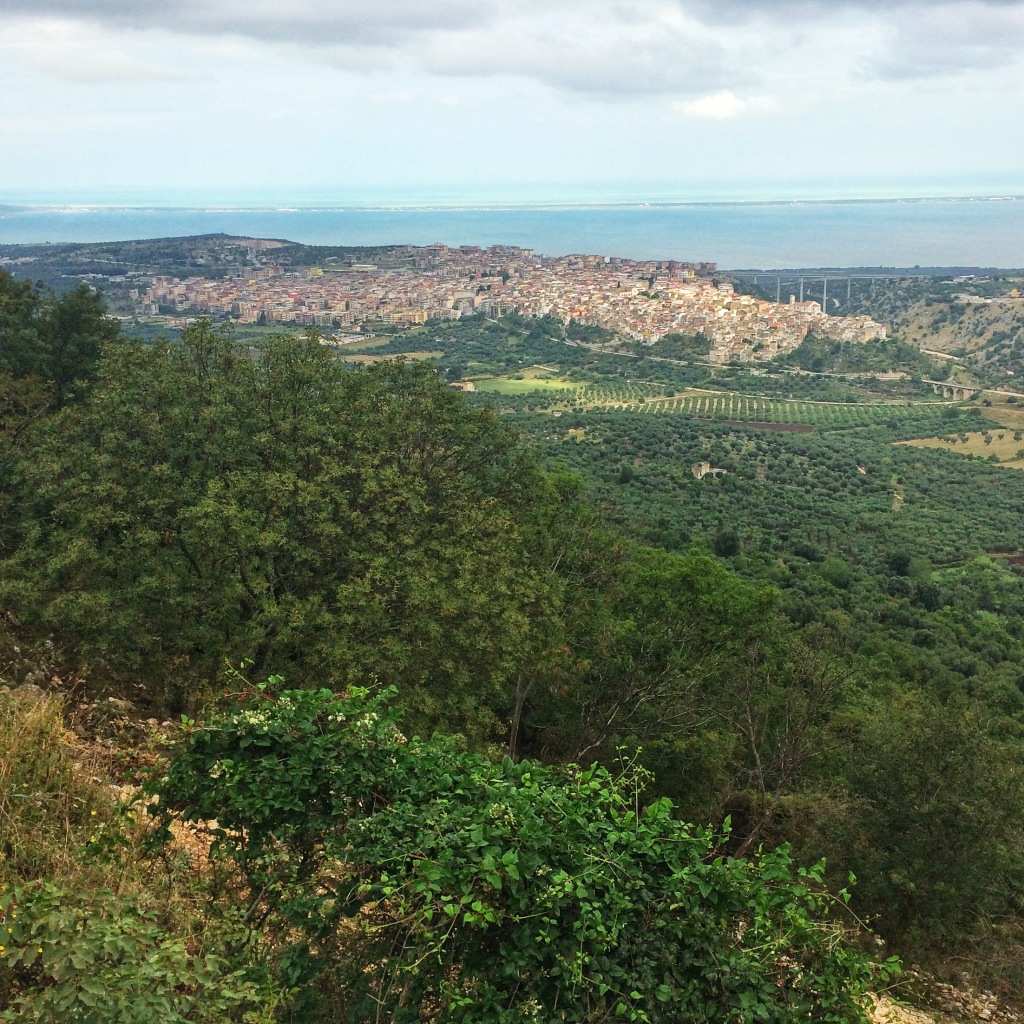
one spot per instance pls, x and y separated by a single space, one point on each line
203 507
899 570
206 508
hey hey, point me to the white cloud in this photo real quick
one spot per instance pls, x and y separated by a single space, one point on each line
951 38
688 49
723 106
606 49
81 55
311 22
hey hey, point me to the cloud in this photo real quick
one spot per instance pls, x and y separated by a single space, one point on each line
612 53
608 47
722 106
67 52
919 38
687 49
790 9
312 22
953 38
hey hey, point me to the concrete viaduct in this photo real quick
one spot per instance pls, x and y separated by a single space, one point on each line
957 392
817 281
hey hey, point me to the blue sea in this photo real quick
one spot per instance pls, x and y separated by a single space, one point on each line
978 231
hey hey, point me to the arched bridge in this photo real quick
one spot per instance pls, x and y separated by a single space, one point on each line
957 392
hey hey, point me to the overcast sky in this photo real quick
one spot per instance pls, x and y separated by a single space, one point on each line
523 98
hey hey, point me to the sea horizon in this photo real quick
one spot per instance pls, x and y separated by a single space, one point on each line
985 229
379 200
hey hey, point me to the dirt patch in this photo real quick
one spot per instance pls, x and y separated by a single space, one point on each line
778 428
885 1011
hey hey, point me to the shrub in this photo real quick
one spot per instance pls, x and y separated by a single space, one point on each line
103 961
434 884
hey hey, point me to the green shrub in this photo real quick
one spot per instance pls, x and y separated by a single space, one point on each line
427 883
100 960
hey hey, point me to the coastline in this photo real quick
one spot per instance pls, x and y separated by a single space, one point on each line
907 232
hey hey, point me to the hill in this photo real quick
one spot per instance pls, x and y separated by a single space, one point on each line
111 265
730 588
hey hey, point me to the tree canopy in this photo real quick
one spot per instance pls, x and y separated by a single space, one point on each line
55 340
209 505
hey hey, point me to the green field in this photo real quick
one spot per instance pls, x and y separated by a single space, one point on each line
755 409
509 386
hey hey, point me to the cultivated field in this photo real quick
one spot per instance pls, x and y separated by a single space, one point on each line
367 359
534 378
1005 444
649 398
776 412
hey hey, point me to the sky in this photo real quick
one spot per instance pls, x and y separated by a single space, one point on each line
520 100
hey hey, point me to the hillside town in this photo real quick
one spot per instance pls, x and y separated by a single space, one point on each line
640 300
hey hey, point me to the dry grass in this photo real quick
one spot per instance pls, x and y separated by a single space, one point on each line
65 817
1002 412
885 1011
50 793
1000 443
971 330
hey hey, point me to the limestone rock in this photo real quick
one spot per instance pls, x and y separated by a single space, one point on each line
28 692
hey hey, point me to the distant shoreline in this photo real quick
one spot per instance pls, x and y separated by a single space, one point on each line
913 232
481 207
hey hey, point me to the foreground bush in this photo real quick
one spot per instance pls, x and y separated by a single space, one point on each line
98 959
91 930
413 881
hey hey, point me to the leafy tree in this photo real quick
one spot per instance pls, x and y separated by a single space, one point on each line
681 346
74 330
22 352
206 505
646 652
938 850
591 333
822 354
47 344
726 544
54 340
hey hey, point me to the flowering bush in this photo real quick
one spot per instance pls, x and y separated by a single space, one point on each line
429 883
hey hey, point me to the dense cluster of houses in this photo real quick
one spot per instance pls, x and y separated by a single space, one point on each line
642 300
